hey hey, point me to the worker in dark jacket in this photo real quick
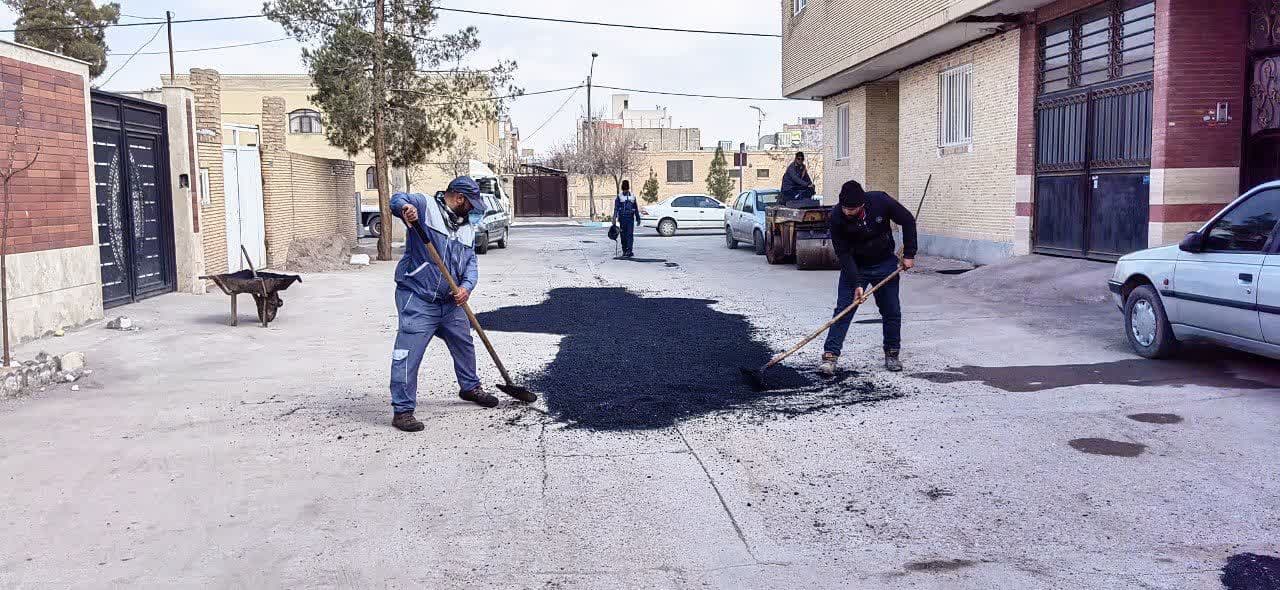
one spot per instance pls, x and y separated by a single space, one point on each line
796 183
863 241
626 213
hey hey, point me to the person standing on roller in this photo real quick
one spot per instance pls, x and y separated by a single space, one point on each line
863 241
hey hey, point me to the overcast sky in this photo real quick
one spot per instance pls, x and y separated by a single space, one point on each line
549 55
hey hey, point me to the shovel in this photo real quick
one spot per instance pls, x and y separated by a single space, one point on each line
509 387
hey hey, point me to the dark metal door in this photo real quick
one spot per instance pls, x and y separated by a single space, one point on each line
135 218
542 196
1093 131
1262 133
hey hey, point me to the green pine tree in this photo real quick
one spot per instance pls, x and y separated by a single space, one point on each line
650 190
718 182
74 28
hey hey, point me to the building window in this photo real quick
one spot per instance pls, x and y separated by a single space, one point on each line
205 197
762 173
305 121
735 173
955 121
798 5
1112 40
842 131
371 178
679 170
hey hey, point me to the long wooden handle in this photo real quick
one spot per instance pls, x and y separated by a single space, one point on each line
453 288
846 311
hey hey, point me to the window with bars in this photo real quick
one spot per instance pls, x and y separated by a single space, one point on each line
305 121
679 170
955 115
1113 40
798 5
842 131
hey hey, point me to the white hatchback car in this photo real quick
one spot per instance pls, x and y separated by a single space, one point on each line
1221 284
684 212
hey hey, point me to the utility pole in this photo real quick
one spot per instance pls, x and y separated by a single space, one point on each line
168 23
591 131
759 123
381 172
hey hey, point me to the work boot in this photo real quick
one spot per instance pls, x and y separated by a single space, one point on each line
407 422
828 366
479 397
891 361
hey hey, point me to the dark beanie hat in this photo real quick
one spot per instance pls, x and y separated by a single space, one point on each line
852 195
626 185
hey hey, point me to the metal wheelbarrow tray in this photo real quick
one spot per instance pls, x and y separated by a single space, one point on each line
265 288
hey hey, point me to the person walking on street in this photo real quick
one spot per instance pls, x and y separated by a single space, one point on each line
863 241
424 303
796 183
626 213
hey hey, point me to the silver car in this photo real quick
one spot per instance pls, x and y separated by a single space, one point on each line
744 221
1221 284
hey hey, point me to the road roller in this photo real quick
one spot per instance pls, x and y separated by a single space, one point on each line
798 233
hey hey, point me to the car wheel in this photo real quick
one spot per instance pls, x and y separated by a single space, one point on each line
728 238
1147 325
375 226
502 243
667 228
482 243
757 240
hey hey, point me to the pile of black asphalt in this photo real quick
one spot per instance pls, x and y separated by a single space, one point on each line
628 362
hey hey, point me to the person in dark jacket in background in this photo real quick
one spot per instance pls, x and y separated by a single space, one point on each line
626 213
863 241
796 183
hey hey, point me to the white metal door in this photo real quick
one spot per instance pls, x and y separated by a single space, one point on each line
246 223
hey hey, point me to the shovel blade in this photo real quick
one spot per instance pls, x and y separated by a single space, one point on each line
518 392
754 378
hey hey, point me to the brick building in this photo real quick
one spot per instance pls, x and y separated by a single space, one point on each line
1071 127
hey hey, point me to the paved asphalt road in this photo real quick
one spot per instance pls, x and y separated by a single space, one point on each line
1018 451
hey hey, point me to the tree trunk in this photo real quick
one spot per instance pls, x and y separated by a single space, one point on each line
382 171
4 270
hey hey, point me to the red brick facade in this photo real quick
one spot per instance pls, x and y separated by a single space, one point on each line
51 202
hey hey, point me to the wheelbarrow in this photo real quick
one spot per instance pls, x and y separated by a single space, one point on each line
265 287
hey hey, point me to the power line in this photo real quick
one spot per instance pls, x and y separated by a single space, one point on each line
638 91
214 48
489 98
146 24
553 115
135 54
604 24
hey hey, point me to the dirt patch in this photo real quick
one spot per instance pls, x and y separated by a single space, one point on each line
1039 280
635 363
1108 447
1250 571
1156 418
320 254
935 566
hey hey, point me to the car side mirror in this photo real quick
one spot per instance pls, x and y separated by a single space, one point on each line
1192 242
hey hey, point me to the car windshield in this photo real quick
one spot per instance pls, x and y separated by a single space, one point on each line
768 198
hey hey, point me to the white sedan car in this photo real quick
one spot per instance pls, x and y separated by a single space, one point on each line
683 212
1221 284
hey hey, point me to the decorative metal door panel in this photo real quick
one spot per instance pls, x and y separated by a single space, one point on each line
1262 136
135 227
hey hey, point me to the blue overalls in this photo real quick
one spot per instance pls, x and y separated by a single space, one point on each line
627 213
425 304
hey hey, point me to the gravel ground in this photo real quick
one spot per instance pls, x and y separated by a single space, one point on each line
1024 447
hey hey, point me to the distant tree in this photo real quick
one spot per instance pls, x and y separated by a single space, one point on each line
718 183
457 159
74 28
386 84
616 158
650 191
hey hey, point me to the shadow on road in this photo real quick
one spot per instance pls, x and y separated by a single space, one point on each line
633 363
1135 372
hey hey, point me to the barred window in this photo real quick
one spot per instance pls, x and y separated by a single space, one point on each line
1113 40
798 5
842 131
955 115
305 121
679 170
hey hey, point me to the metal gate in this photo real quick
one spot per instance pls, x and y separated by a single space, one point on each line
1093 132
135 210
1262 132
542 196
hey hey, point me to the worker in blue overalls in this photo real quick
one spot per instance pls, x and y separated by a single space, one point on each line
626 213
425 305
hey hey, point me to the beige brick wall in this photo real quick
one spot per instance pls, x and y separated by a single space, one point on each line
873 139
213 215
304 197
830 36
972 194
